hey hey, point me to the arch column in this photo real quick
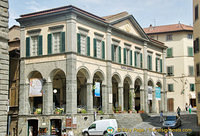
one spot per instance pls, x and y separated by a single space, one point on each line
153 101
142 106
89 98
104 99
48 98
121 97
133 98
24 105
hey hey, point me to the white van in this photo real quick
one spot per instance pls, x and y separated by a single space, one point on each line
99 127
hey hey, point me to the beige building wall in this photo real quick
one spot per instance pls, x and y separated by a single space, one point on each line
196 34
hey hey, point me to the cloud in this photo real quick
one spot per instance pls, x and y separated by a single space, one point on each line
34 6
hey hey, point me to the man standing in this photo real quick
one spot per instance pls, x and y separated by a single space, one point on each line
161 116
178 111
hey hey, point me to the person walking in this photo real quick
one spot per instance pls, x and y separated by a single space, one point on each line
161 116
186 107
190 108
170 132
153 133
179 111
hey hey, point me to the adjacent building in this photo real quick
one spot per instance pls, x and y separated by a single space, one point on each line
196 23
179 63
4 66
73 61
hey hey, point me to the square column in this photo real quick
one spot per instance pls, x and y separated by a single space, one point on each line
142 106
104 99
89 98
153 101
48 98
133 98
121 97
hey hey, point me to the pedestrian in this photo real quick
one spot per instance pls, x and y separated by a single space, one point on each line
179 111
153 133
161 116
190 108
186 107
170 132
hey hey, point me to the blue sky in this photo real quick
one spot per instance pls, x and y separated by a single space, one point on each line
146 12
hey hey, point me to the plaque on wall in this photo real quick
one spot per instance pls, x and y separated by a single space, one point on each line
69 122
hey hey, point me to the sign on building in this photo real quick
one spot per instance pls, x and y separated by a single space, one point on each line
97 89
158 93
35 87
150 92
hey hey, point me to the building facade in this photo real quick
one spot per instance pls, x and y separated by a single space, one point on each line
14 63
179 63
73 61
4 68
196 22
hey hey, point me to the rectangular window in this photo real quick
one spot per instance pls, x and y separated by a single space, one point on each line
170 87
189 36
83 45
192 87
34 45
149 62
198 97
158 64
191 71
190 51
170 70
197 69
169 37
56 42
99 53
196 45
169 52
138 59
127 56
196 14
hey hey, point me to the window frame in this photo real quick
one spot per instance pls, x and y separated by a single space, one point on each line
190 55
189 36
169 37
189 68
171 56
191 84
169 89
196 12
172 71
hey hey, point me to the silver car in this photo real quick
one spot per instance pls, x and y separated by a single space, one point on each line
172 122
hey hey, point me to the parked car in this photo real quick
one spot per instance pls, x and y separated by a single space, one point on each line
172 122
118 134
99 127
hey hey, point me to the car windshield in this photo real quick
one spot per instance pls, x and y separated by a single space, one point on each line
170 118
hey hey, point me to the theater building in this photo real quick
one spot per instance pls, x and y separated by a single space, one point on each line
73 61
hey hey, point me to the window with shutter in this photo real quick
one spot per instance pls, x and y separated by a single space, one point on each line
169 52
40 45
170 70
137 58
170 87
56 42
62 44
192 87
124 55
119 54
141 62
103 49
131 57
149 62
190 51
95 47
88 46
198 69
112 52
191 71
27 46
49 37
161 65
34 46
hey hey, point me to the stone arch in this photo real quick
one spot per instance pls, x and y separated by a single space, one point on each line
53 73
100 73
85 71
35 73
150 82
129 79
117 76
138 81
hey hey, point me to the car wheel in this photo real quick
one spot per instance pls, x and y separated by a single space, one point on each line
86 134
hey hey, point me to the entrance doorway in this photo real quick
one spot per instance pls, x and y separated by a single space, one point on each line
138 83
56 127
32 127
170 105
193 102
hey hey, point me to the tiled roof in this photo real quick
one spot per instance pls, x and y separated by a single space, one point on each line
167 28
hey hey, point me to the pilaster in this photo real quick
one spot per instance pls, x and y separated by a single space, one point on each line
133 98
145 92
89 98
22 42
104 99
121 97
48 98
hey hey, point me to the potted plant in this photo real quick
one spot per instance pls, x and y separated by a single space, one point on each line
130 102
100 112
38 111
119 108
83 111
59 110
141 111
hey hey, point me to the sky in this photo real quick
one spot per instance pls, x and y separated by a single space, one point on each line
146 12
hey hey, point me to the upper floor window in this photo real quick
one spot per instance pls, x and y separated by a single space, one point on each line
138 59
198 69
189 36
56 42
34 45
196 45
170 87
99 48
127 56
116 53
170 70
149 62
83 44
190 51
196 14
169 52
158 64
169 37
192 87
191 71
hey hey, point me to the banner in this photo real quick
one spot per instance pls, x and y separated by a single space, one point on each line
35 87
158 93
150 92
97 89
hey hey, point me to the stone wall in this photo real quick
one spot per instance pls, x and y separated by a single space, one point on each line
4 66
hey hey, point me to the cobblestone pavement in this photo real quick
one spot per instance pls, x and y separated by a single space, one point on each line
189 123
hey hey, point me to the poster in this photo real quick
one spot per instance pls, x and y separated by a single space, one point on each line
150 92
35 87
158 93
97 89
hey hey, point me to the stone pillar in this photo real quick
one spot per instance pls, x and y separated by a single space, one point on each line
142 106
109 71
121 97
48 98
104 99
89 98
153 101
133 98
4 66
71 82
164 89
145 93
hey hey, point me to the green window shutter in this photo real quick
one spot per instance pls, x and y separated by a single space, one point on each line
119 54
124 55
190 51
150 62
141 60
156 64
161 65
103 49
88 46
135 58
169 52
62 46
131 58
49 38
112 52
78 43
95 47
27 46
40 45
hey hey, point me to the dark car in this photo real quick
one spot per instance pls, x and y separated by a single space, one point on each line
172 122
